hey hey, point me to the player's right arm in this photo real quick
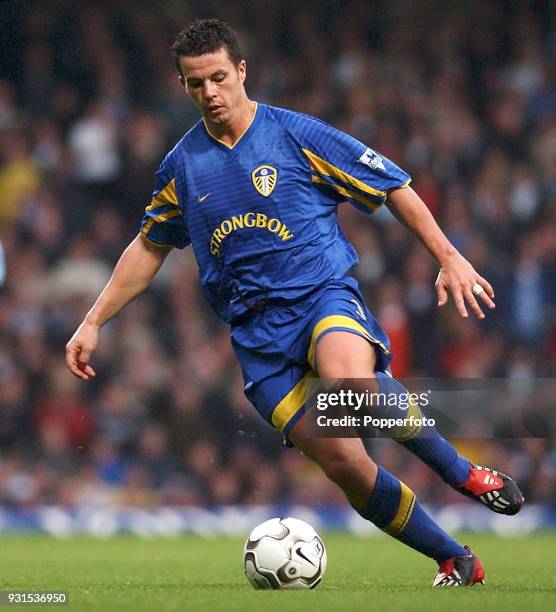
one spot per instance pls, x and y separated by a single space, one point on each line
132 275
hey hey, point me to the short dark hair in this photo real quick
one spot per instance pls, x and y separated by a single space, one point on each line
206 36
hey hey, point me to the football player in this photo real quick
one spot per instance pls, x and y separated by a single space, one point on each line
254 190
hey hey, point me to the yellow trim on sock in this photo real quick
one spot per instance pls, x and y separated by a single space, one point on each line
403 513
403 433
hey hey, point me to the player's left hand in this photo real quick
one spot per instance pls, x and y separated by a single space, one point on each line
458 277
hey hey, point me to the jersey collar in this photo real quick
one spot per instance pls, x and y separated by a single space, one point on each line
255 120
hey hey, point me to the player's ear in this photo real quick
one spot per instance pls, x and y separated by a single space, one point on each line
242 70
182 82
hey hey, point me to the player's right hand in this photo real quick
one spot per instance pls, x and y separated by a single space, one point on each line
79 349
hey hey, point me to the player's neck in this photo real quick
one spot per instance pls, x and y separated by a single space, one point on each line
239 123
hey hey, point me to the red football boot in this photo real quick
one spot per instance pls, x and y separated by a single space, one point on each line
495 490
463 570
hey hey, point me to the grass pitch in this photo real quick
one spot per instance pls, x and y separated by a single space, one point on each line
191 573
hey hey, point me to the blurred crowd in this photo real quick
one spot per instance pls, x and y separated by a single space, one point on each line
461 95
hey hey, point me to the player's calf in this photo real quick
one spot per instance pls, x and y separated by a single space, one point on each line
495 490
394 508
377 495
343 460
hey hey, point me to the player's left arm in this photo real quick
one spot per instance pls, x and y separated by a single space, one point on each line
457 276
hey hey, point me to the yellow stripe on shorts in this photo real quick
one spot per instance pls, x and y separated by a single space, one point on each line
294 400
338 321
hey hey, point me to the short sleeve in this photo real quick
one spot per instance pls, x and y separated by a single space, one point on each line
163 221
351 170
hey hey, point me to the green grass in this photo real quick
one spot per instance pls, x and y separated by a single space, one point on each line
191 573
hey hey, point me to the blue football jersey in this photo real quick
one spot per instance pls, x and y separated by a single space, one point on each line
261 215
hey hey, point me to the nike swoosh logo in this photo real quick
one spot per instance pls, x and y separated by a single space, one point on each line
300 553
203 198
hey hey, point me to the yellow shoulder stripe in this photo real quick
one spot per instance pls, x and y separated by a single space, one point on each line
348 193
323 167
160 219
165 196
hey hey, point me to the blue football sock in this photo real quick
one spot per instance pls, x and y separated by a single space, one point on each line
394 509
425 443
439 455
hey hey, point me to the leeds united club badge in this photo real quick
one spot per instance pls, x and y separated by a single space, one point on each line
264 179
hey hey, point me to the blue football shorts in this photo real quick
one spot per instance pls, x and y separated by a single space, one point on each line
276 348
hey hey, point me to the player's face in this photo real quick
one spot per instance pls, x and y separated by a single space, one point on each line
214 84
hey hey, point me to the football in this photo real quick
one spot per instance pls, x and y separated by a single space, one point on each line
284 553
